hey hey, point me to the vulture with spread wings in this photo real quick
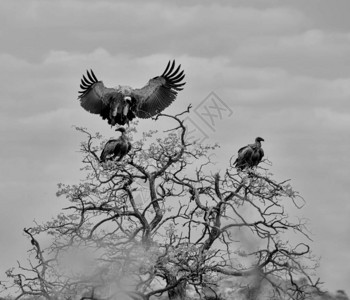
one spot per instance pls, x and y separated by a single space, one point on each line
122 104
250 156
116 147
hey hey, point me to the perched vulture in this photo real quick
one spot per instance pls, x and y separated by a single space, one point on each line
121 104
116 147
250 156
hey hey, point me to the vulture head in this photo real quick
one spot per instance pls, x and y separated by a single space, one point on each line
121 129
121 104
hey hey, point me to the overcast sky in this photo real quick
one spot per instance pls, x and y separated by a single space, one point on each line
281 67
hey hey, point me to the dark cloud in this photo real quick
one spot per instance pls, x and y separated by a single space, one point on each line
142 29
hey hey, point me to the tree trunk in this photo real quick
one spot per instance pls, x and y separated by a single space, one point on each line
179 291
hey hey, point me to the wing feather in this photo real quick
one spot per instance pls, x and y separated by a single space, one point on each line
244 158
116 147
108 149
159 92
246 153
92 94
261 153
167 68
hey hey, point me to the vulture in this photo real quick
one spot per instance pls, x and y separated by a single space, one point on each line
116 147
121 104
250 156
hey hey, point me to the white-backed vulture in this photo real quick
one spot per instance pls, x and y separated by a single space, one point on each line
249 156
116 147
121 104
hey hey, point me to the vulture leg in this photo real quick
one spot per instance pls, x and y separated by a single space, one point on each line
126 109
115 109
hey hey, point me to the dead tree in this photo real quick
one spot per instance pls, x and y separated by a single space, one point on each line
159 222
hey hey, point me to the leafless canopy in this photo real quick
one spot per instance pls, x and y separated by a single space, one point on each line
159 223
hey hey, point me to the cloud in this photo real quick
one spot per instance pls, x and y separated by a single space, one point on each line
123 27
282 70
312 52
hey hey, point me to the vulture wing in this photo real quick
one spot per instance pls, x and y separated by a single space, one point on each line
113 148
92 95
244 157
242 150
245 152
257 156
261 153
108 150
159 92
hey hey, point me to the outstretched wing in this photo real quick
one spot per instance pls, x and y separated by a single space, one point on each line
159 93
92 94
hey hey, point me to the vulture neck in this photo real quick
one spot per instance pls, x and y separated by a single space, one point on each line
124 137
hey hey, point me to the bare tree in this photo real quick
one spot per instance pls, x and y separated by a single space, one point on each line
159 222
